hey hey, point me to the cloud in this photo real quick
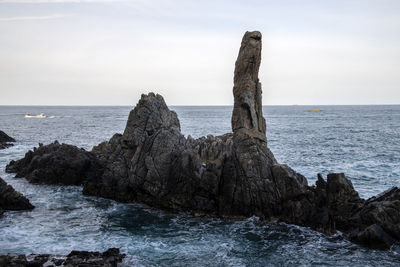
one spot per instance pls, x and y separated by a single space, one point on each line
55 16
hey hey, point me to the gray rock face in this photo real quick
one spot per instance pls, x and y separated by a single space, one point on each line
5 140
56 164
109 258
11 199
230 175
247 110
233 175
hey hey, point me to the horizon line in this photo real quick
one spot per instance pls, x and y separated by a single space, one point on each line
180 105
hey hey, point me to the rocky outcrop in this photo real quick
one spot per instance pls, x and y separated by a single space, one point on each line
56 164
109 258
11 199
233 175
5 140
153 163
377 222
247 110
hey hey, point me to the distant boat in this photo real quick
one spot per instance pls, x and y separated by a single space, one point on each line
40 116
314 110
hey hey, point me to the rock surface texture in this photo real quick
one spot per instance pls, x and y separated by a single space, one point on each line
247 109
233 175
5 140
56 164
11 199
109 258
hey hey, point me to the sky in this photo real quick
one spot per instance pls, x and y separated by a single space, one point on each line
103 52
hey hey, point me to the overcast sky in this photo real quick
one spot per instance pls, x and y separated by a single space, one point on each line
99 52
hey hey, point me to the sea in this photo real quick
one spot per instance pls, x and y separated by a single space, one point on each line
361 141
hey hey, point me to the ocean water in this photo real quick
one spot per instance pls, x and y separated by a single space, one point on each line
361 141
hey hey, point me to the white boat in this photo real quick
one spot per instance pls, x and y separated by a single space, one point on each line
40 116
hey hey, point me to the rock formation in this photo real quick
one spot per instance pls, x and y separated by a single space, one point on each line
247 109
109 258
11 199
233 175
153 163
56 164
5 140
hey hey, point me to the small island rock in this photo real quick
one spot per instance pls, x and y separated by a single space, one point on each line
56 164
5 140
11 199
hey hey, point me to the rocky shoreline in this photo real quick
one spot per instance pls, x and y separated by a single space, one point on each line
233 175
109 258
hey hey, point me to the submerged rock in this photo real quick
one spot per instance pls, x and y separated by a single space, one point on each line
5 140
109 258
232 175
56 164
11 199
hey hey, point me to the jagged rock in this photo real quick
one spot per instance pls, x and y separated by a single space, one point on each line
374 222
342 199
56 164
373 236
382 210
5 140
232 175
229 175
109 258
11 199
247 110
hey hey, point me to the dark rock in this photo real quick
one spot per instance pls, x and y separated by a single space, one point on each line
109 258
373 236
56 164
374 222
247 110
5 140
230 175
14 260
382 210
342 199
11 199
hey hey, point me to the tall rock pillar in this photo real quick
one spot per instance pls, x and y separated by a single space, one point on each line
247 110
